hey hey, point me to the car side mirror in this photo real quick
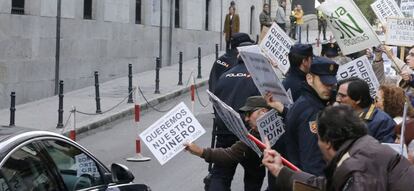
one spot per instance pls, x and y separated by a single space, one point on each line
121 173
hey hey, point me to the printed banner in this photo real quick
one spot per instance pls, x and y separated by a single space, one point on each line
386 8
263 74
233 121
400 31
349 26
407 7
166 137
360 68
276 45
271 126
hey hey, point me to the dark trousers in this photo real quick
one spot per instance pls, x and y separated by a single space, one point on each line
322 28
228 46
292 32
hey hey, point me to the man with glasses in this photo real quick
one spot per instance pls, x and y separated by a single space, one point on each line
355 93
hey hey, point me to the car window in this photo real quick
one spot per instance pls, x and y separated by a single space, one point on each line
26 169
77 169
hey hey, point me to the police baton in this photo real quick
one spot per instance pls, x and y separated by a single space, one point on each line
263 146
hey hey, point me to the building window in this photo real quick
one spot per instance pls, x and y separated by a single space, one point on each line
87 9
138 12
207 12
177 14
17 7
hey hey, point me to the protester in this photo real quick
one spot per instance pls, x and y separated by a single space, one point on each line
301 140
321 24
292 32
239 152
227 60
264 17
391 99
300 59
298 14
408 75
280 15
231 25
355 160
233 87
355 93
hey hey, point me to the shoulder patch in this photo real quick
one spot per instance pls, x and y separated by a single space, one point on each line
313 127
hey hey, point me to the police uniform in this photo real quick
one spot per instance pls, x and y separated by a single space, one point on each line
380 124
295 77
301 139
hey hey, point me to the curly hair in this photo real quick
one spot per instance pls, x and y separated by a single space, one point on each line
393 101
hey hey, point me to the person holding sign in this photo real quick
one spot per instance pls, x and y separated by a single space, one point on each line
355 93
355 160
300 136
239 152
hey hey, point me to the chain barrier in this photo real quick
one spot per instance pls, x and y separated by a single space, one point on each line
198 96
67 122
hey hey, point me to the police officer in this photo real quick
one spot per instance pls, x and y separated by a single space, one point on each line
233 88
332 51
227 60
300 58
355 92
300 136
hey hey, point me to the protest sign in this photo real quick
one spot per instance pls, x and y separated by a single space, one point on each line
352 31
276 45
400 31
407 7
271 126
233 121
386 8
362 69
263 74
85 165
166 137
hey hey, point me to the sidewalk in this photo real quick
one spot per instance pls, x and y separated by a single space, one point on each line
43 114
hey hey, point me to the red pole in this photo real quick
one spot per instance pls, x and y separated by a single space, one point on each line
138 146
192 92
72 135
137 112
263 146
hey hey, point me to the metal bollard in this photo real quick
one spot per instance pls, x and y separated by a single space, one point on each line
180 69
199 63
157 75
97 98
12 108
257 39
307 33
217 51
130 100
60 110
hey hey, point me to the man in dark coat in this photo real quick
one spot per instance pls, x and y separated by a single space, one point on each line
300 136
356 161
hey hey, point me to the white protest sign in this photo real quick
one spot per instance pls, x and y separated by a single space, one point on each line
166 137
271 126
350 28
85 165
263 74
400 31
276 45
362 69
233 121
386 8
407 7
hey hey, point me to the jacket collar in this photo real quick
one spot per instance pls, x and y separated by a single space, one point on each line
307 89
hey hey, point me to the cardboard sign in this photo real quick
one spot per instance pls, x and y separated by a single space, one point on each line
400 31
362 69
166 137
233 121
386 8
271 126
407 7
350 28
276 45
263 74
85 165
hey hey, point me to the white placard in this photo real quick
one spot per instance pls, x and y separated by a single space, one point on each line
271 126
407 7
85 165
400 31
276 45
166 137
386 8
233 121
362 69
263 74
350 28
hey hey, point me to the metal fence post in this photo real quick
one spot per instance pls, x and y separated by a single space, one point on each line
97 98
199 63
307 33
12 108
157 75
130 100
60 110
217 51
180 69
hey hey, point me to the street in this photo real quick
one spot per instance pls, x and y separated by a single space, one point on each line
116 141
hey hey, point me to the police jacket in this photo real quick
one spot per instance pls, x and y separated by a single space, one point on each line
221 65
233 88
361 164
380 124
301 141
293 81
